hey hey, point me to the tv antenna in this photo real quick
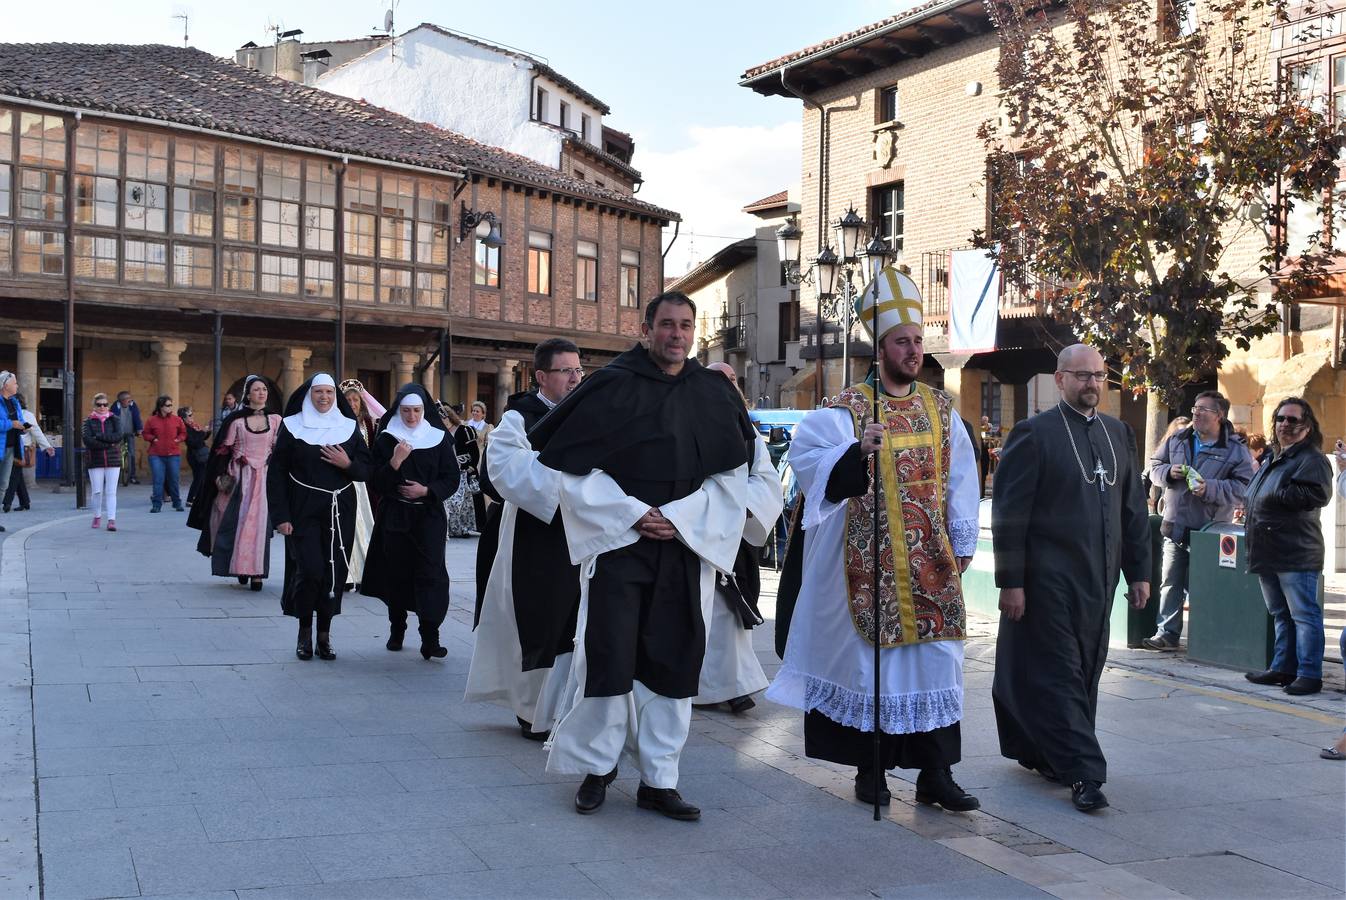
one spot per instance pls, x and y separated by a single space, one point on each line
183 16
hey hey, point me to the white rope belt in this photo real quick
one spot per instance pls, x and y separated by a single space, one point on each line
337 539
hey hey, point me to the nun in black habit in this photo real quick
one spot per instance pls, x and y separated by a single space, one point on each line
318 456
415 471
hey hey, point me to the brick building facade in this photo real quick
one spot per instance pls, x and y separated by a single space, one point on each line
157 191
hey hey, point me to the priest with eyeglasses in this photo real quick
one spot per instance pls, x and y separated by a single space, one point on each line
1068 518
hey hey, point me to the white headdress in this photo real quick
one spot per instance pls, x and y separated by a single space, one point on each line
318 428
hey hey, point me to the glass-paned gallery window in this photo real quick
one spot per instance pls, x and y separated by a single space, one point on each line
193 266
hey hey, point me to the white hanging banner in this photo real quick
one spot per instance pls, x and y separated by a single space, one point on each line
974 301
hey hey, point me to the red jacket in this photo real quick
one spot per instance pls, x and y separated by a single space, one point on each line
164 434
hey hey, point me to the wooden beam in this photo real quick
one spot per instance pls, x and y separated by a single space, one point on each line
937 38
898 45
881 59
853 67
970 24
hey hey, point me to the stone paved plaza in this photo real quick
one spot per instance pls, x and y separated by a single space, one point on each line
180 749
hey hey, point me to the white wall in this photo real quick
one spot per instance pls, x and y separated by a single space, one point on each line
474 91
552 113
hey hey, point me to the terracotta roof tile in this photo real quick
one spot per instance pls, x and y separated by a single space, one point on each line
913 14
780 198
187 86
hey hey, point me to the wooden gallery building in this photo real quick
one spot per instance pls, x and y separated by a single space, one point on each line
182 209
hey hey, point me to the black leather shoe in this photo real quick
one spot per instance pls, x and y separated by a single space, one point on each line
936 786
1301 686
526 729
593 792
740 705
325 650
256 584
1087 796
864 787
666 801
395 638
304 649
1270 676
242 579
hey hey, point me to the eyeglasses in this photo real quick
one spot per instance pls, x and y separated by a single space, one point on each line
1289 420
1205 409
1087 376
577 372
102 403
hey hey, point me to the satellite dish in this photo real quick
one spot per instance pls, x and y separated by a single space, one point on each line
388 21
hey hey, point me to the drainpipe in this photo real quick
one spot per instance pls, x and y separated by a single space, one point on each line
823 116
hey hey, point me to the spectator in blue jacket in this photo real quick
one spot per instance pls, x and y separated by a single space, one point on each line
12 425
127 414
1222 468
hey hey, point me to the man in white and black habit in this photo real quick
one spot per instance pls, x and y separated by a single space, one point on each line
525 628
415 471
1068 518
653 455
731 672
317 457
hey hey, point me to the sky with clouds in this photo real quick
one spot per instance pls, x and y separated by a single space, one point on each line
670 74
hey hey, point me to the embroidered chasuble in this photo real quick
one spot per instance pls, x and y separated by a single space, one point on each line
920 591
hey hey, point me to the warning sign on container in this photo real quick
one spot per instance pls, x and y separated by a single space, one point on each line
1229 546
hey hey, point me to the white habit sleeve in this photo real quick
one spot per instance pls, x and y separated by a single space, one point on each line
765 499
710 520
820 439
598 516
961 491
515 472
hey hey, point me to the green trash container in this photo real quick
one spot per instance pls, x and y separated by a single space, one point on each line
1227 621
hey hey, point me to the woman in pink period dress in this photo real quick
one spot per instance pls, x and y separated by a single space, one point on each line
240 528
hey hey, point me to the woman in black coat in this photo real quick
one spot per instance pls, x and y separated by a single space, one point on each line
1286 549
319 455
415 471
102 436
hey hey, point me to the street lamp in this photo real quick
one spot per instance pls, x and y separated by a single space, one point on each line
851 259
484 224
848 229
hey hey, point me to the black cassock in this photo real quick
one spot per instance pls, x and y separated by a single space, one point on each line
1065 542
544 584
405 564
300 488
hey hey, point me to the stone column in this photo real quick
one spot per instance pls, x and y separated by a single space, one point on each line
467 387
965 386
504 386
26 373
430 379
170 365
26 370
292 371
404 369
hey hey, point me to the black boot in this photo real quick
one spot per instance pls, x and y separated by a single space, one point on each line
1301 686
526 729
256 584
865 784
325 651
593 792
395 637
936 786
304 649
430 646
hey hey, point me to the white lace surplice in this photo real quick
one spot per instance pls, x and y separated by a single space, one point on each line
828 666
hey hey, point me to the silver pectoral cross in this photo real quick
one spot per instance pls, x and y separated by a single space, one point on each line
1100 473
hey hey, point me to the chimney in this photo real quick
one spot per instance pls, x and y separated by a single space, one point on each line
288 65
